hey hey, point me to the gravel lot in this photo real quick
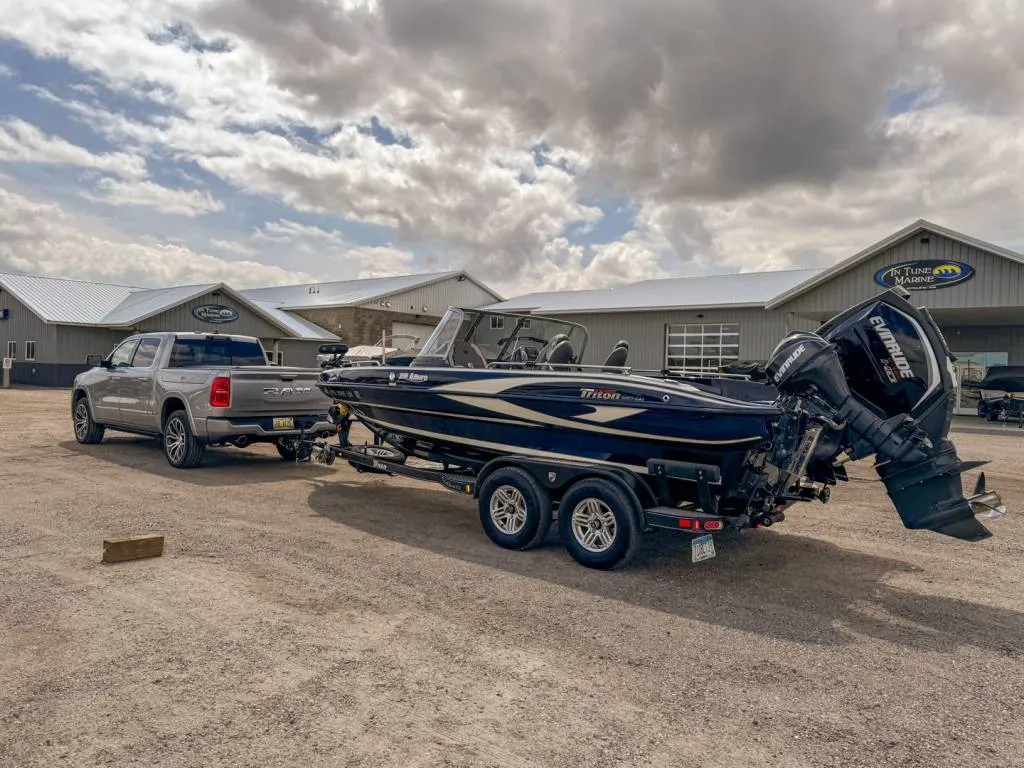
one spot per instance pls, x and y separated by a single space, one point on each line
312 616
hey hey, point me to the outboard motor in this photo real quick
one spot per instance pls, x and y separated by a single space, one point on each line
878 379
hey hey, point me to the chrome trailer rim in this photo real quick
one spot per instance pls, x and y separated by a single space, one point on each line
593 525
508 509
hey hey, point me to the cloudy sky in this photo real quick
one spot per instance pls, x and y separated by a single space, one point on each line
541 144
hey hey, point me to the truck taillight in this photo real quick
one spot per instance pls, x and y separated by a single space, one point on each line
220 392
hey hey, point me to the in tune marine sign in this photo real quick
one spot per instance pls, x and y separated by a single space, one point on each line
215 313
925 275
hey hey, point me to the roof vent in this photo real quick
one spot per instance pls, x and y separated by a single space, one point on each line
925 240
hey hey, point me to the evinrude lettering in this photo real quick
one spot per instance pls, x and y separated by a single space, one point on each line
892 347
788 363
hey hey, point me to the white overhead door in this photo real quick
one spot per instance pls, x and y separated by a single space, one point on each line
413 329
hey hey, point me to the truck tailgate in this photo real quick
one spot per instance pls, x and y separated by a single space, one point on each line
276 392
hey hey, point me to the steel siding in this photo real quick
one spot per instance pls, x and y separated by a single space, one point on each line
760 331
436 298
23 325
180 318
997 282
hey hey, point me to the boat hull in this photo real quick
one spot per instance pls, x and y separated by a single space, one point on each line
471 416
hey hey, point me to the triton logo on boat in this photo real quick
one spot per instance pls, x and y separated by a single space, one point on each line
286 391
600 394
788 362
893 348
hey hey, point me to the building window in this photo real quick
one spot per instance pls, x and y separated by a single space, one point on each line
30 350
497 323
12 349
701 347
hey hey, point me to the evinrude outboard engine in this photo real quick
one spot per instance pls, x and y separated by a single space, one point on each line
877 379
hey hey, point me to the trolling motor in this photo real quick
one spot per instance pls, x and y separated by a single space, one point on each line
878 379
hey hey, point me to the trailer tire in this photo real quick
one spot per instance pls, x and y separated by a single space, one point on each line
515 510
599 523
181 447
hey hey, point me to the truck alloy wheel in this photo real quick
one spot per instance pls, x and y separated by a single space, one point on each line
182 449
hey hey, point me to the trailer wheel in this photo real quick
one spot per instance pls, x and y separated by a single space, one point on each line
598 523
181 447
515 510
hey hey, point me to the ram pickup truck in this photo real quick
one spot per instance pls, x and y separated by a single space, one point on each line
194 390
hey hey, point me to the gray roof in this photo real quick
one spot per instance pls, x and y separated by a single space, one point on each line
697 292
299 326
141 304
344 293
65 301
77 302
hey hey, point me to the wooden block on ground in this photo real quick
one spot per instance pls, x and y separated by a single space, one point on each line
132 547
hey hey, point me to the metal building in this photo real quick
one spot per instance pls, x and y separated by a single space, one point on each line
974 289
48 326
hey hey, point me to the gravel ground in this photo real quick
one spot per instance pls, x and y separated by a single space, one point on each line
313 616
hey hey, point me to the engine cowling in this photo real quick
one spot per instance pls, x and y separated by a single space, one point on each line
882 372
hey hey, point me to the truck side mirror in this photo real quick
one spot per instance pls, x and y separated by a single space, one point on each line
96 360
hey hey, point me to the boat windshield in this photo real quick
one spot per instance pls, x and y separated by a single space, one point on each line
477 338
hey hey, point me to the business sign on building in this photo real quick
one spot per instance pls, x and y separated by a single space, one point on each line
924 275
215 313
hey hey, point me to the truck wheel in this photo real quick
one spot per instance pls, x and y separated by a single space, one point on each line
87 431
599 523
181 447
515 510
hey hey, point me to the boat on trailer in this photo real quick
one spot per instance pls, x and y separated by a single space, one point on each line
503 404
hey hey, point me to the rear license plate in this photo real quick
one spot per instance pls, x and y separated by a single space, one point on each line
284 422
702 548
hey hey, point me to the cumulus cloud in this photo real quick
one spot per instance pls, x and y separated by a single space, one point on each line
146 194
22 142
41 238
333 250
746 135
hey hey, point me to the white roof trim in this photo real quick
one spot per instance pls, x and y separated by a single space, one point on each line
921 225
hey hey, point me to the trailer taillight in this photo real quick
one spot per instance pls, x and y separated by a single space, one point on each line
220 392
712 525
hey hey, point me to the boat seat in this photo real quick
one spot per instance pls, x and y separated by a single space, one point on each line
617 357
557 352
466 354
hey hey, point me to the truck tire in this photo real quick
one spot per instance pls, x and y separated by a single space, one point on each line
87 431
515 510
181 447
599 523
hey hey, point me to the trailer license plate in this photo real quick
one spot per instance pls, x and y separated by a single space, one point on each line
284 422
702 548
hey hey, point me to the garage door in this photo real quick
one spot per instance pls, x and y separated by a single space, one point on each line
414 329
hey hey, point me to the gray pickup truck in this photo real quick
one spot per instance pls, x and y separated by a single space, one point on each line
195 390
